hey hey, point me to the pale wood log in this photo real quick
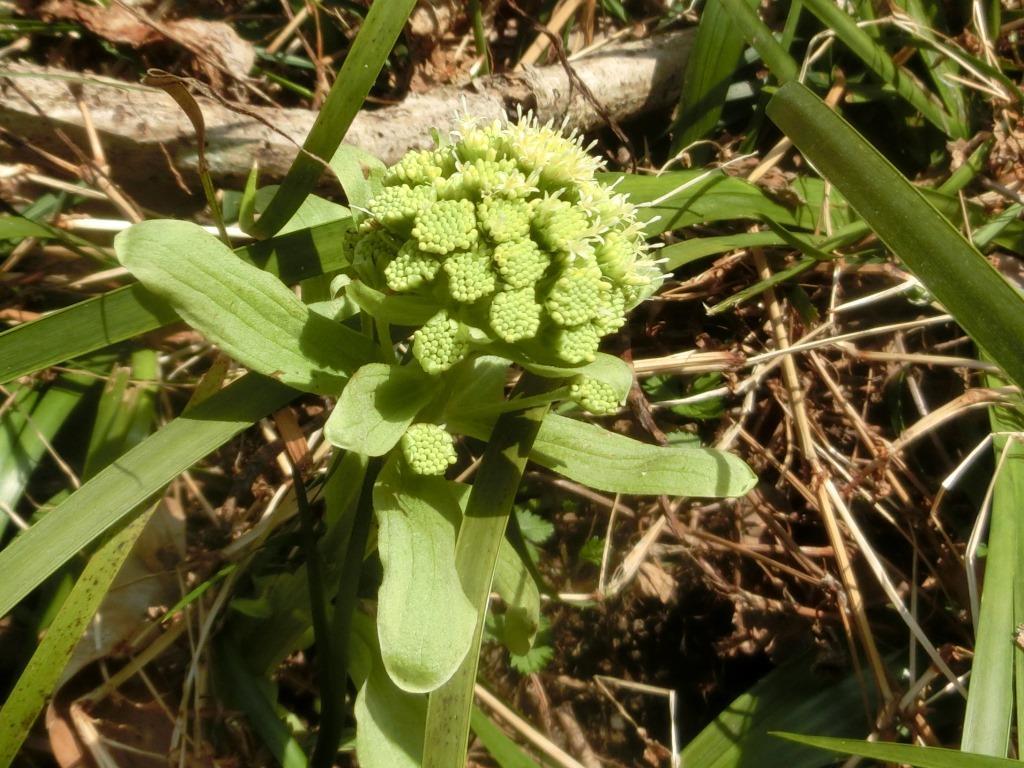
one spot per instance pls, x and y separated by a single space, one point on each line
142 129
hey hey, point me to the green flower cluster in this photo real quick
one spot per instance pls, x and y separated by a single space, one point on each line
508 232
428 449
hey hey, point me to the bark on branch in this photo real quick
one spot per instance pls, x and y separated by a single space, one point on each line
142 128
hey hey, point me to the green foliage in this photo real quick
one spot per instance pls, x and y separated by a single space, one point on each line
538 656
921 757
981 300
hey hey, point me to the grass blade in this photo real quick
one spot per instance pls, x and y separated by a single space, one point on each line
716 54
120 488
922 757
879 60
32 420
756 32
996 668
369 51
505 752
791 696
47 664
980 299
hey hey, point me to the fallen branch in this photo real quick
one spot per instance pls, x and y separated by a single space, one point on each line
143 130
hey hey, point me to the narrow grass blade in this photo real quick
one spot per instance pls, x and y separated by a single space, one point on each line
760 37
997 664
369 51
922 757
346 596
481 534
791 696
714 58
31 421
980 299
125 414
44 669
240 688
505 752
683 198
120 488
681 254
133 310
879 60
928 17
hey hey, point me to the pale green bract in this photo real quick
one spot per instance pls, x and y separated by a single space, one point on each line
505 228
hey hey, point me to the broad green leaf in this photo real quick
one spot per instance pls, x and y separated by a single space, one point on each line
505 752
922 757
44 669
480 539
424 621
126 312
513 582
249 313
716 55
377 405
121 487
365 58
790 696
615 463
389 732
980 299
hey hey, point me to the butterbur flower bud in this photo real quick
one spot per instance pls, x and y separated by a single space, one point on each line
428 449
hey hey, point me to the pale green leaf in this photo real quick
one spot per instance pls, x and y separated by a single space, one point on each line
249 313
376 407
513 582
424 620
615 463
390 723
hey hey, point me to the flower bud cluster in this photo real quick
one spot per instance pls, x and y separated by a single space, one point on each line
507 231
